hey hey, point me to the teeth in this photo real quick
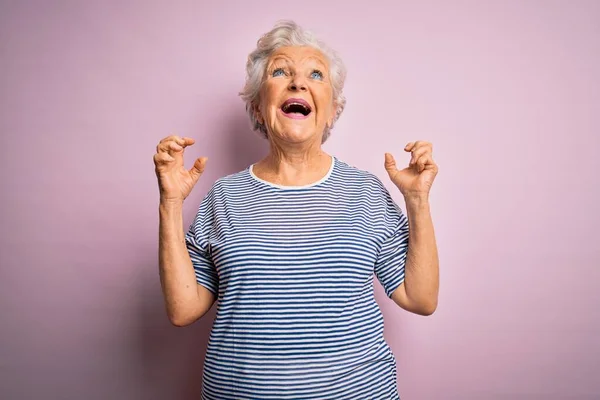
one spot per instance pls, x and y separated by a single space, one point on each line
294 104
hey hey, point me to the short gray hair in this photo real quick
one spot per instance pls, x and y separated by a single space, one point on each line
288 33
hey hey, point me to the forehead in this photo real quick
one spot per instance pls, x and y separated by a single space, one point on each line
298 54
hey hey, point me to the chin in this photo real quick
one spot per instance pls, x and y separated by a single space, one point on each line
297 135
295 132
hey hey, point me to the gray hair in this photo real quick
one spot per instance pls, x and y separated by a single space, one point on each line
288 33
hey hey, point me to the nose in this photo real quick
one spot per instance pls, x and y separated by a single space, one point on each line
297 84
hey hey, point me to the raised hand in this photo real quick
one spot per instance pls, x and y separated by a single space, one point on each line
417 178
174 181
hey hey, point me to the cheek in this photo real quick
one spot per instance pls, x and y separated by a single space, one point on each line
325 103
270 98
328 113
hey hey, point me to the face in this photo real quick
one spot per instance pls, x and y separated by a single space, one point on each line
296 101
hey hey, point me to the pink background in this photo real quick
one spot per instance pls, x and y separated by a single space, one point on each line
507 91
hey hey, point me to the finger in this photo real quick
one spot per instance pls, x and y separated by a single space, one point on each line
171 137
162 158
198 168
423 161
169 146
416 145
175 147
163 146
186 141
390 163
420 143
182 141
418 152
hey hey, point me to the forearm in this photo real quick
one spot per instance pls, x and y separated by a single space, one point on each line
422 265
177 277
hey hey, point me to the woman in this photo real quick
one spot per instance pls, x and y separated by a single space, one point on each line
290 244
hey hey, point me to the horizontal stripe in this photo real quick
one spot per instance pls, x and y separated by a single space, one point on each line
293 270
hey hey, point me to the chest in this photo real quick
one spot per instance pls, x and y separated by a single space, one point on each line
276 241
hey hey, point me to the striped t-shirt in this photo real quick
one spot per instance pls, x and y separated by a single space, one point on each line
292 268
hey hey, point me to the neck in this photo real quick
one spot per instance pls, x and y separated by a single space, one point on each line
293 166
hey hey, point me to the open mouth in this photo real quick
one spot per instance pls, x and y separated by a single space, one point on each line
296 108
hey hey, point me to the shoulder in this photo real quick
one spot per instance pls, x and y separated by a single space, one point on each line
217 192
370 196
365 179
235 182
372 186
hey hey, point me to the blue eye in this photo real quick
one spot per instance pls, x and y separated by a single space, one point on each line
316 74
278 71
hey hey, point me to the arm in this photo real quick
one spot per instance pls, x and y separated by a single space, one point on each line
419 291
185 300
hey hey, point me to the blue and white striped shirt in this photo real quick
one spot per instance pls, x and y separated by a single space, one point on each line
292 268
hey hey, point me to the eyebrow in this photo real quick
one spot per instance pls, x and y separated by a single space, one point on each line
287 59
318 60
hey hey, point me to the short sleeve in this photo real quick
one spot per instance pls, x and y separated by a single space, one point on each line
197 243
391 259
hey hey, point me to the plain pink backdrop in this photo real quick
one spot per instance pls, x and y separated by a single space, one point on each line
507 91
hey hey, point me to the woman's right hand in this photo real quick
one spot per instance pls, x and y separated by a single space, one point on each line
174 181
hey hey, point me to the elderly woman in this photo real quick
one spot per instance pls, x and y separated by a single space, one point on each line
289 246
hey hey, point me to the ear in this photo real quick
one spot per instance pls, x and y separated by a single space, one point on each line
257 114
332 114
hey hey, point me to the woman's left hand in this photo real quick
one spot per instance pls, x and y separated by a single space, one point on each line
417 178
